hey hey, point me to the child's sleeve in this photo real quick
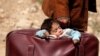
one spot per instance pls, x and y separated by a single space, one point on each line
75 34
66 32
40 33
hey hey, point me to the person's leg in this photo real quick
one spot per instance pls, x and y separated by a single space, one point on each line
89 45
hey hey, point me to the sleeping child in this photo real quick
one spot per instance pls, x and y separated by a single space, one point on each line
51 29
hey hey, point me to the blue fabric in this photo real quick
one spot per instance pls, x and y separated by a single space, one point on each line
75 34
40 33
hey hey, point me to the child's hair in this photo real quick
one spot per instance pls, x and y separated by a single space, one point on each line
47 24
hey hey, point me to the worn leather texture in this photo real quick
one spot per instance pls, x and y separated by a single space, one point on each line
25 43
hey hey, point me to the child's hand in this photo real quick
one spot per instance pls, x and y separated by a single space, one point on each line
63 20
52 37
75 41
46 34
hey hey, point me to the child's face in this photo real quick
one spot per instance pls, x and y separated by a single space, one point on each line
56 29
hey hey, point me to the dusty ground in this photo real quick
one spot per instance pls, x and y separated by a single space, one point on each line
19 14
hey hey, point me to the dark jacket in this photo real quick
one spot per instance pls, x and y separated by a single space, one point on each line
77 10
92 5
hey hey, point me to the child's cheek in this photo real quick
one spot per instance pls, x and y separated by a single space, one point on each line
58 34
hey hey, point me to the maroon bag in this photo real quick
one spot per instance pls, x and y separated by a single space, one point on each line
25 43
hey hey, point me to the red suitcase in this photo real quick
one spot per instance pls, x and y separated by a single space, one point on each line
25 43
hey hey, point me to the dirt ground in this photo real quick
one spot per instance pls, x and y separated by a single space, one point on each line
2 49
